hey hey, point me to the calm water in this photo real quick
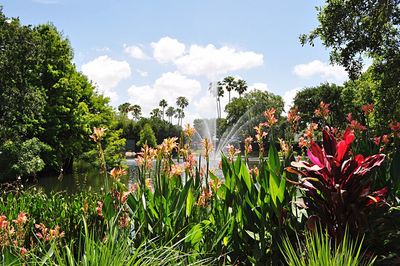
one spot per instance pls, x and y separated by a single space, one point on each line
91 180
81 180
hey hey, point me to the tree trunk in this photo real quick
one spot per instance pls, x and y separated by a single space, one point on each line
67 166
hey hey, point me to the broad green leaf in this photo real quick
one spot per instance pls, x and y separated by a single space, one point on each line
274 164
246 176
189 202
195 235
237 165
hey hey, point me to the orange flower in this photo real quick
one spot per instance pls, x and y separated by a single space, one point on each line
168 145
232 151
248 148
117 172
98 134
357 126
207 147
367 109
284 146
22 219
189 131
176 169
293 116
323 110
270 116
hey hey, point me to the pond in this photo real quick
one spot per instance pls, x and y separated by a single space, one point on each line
82 180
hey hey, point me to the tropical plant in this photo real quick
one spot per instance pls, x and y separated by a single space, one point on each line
182 103
241 87
336 184
136 111
147 137
124 108
318 249
229 83
156 113
163 104
170 113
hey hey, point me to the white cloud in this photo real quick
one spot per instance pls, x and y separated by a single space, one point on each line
258 86
288 98
106 73
167 49
205 107
169 86
331 73
142 73
135 52
210 61
102 49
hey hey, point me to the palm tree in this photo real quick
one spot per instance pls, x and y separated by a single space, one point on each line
124 108
155 113
217 90
182 102
170 113
241 87
220 94
163 103
229 83
136 111
178 114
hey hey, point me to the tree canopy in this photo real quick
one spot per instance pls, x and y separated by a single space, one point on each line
43 96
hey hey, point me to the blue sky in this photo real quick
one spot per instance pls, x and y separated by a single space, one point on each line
142 51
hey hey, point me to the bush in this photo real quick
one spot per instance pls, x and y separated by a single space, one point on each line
22 158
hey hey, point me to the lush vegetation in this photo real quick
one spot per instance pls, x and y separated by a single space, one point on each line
48 108
324 190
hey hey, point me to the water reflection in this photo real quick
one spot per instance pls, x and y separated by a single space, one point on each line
84 179
87 179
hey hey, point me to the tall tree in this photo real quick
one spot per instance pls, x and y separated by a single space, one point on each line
241 87
308 100
136 111
124 108
155 113
43 96
229 84
163 104
170 113
354 30
182 103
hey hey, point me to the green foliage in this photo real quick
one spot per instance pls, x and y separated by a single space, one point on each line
368 89
318 249
21 158
308 100
44 96
66 211
353 28
147 137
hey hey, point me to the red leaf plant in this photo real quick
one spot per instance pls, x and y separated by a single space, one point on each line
337 185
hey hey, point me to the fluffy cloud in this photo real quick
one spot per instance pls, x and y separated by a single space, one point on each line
210 61
258 86
142 73
135 52
331 73
167 49
288 98
106 73
169 86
